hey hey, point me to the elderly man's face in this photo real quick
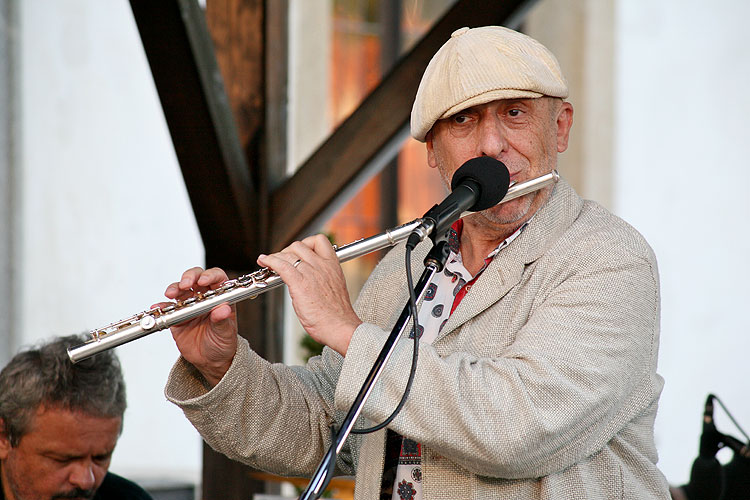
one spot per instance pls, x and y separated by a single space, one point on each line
64 455
525 134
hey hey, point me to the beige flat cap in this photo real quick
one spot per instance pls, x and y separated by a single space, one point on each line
480 65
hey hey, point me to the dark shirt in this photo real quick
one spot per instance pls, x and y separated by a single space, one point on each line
113 487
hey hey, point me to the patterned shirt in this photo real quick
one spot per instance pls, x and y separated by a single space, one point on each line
446 288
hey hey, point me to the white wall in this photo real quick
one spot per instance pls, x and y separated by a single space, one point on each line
682 178
105 219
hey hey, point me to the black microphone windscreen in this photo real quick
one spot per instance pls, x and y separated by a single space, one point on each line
706 480
737 478
491 175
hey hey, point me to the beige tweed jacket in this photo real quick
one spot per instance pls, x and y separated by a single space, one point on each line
542 385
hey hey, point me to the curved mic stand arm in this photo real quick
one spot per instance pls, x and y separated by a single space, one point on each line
712 440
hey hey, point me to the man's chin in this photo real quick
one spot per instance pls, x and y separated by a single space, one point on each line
513 212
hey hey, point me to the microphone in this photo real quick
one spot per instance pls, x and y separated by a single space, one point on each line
709 479
478 184
712 440
706 474
737 476
706 479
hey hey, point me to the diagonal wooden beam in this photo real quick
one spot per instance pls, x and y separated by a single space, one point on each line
219 134
376 129
213 163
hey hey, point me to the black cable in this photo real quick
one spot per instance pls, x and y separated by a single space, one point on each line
721 403
415 354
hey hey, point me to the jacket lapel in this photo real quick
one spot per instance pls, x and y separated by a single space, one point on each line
500 276
506 269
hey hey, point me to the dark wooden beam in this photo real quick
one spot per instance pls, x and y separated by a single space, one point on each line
277 100
390 51
236 28
218 133
202 127
379 121
244 33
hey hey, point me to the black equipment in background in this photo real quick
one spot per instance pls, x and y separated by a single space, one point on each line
709 479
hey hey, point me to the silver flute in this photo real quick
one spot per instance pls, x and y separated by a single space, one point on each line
251 285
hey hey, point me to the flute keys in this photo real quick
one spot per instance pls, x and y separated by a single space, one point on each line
148 322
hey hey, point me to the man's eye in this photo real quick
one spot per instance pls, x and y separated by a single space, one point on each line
514 113
460 119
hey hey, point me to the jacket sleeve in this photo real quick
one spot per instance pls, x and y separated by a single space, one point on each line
270 416
580 370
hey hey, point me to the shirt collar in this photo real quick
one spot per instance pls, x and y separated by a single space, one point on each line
454 243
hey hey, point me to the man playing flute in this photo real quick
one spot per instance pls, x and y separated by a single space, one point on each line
538 351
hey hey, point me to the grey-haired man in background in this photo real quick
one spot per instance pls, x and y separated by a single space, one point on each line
59 424
537 363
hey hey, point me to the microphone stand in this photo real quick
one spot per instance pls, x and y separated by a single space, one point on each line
434 263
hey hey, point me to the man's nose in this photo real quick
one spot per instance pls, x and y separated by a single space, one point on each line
82 475
492 139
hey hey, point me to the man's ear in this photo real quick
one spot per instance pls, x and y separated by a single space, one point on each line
564 122
430 149
4 441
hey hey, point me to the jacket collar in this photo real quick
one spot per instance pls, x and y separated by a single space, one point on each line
506 268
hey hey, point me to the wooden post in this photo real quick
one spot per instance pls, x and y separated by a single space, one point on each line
243 32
